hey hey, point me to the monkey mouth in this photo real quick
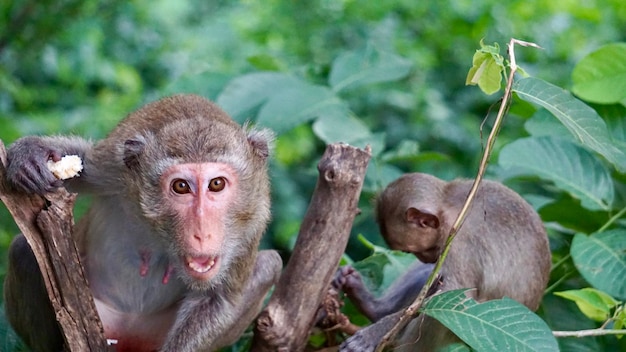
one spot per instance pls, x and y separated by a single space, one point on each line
200 266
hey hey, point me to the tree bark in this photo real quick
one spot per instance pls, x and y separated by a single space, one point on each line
285 323
47 223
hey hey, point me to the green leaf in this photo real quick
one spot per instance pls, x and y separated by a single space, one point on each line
485 72
600 77
582 121
563 315
497 325
601 260
596 305
455 347
359 68
382 268
265 62
379 175
570 167
247 92
615 117
620 319
543 123
292 107
207 84
406 150
340 128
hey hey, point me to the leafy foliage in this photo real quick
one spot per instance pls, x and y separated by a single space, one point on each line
496 325
600 258
388 74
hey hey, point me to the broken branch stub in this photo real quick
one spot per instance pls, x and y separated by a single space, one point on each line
285 323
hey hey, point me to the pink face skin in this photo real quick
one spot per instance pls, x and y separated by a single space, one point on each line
200 194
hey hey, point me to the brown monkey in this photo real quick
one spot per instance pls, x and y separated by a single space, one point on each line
501 250
180 201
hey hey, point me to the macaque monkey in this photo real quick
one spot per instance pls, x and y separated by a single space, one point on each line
180 201
501 250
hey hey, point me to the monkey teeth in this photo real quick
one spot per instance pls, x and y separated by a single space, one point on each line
200 265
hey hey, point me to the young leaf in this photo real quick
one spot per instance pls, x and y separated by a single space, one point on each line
487 68
570 167
601 260
497 325
485 73
620 319
596 305
359 68
600 77
581 120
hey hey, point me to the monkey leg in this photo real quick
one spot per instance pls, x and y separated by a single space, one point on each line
26 301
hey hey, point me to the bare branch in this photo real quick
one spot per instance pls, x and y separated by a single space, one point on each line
285 323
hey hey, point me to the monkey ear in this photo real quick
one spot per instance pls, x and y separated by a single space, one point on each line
132 150
422 219
260 140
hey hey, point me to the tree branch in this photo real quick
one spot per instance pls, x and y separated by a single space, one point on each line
47 225
285 323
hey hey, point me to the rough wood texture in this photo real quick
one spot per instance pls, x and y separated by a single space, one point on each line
47 224
285 324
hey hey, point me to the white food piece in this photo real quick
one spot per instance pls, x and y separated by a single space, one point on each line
69 166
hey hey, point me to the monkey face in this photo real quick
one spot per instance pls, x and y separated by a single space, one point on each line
199 196
416 232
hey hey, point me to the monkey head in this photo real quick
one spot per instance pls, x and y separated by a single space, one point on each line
195 178
409 217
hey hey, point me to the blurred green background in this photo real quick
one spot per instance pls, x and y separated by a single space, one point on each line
79 66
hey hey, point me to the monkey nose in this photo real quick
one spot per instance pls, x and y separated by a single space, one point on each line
201 237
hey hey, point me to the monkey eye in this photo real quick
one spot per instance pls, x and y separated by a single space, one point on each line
217 184
180 186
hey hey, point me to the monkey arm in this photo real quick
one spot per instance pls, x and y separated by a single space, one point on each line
398 296
206 323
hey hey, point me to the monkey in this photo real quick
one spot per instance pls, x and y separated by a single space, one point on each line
180 199
502 249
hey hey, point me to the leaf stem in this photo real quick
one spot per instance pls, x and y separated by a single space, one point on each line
612 220
587 333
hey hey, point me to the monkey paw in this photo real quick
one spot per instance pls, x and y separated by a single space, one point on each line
27 166
347 279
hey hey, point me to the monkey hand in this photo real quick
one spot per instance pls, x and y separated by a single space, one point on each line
348 280
27 169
